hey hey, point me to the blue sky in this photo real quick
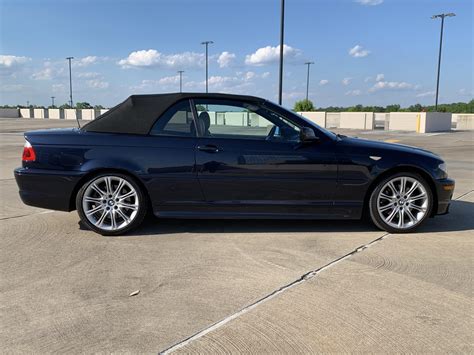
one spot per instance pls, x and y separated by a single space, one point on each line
373 52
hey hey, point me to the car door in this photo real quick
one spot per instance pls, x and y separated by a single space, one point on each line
171 176
250 160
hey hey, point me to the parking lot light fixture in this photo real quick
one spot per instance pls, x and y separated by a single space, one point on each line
207 43
441 16
180 72
282 32
70 82
307 79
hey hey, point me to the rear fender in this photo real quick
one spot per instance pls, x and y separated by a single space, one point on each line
111 163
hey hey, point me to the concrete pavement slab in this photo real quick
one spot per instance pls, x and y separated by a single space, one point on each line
67 290
405 293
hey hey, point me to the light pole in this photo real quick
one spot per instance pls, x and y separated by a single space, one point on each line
207 43
180 80
307 79
441 16
52 101
282 30
70 82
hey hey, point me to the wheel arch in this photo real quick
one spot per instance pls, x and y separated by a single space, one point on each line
96 172
402 169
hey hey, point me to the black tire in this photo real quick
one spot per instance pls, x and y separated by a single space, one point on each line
141 202
381 223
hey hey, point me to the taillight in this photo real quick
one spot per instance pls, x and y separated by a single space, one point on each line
28 152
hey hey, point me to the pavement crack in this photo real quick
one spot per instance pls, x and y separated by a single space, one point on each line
25 215
303 278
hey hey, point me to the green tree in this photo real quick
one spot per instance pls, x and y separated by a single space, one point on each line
65 106
392 108
98 107
83 105
357 108
303 106
415 108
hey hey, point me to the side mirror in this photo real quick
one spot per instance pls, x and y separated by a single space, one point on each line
307 135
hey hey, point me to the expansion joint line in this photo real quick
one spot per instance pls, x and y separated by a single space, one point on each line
464 194
303 278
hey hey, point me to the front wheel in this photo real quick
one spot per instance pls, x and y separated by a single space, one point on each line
401 203
111 204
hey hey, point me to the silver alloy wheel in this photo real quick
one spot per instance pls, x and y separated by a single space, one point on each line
110 203
402 202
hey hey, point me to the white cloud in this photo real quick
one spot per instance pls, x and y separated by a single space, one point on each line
50 71
269 55
367 79
169 80
426 94
241 82
45 74
358 51
8 61
163 84
346 81
97 84
249 75
82 62
394 85
369 2
293 95
144 85
380 77
218 81
466 92
353 93
153 58
323 82
58 88
12 88
225 59
88 75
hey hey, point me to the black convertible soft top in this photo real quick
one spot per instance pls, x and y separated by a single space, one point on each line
138 113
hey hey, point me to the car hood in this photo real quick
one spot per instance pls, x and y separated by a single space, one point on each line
385 146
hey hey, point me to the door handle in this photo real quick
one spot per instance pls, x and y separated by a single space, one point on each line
209 148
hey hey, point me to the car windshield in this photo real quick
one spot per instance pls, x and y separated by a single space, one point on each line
324 130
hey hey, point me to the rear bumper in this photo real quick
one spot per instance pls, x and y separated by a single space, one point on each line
47 188
445 190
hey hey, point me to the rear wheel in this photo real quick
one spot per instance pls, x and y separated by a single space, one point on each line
401 203
111 204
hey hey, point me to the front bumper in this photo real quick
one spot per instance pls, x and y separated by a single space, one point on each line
444 190
49 189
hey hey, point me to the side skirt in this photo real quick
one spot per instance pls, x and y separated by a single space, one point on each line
239 215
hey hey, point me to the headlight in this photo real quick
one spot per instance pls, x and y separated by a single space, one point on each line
443 168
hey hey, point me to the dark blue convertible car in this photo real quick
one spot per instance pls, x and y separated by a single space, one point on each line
192 155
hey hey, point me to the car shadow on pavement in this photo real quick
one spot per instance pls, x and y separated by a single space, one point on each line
459 219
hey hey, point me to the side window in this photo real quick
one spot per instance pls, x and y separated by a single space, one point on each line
176 121
240 120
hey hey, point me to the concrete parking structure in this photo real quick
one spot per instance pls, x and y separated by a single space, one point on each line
237 286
